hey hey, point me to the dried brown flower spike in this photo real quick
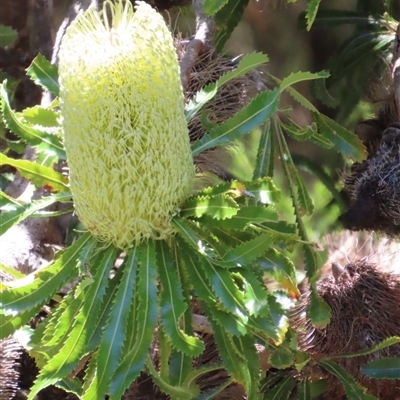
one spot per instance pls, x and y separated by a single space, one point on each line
365 310
374 184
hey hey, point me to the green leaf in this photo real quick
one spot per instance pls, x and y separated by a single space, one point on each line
353 389
173 391
344 141
244 217
71 386
304 390
318 311
44 117
265 154
281 358
43 73
36 288
10 323
234 362
12 272
383 368
8 35
255 294
382 345
248 251
74 347
312 9
303 202
225 289
283 270
263 190
39 176
218 207
173 306
246 64
226 20
260 109
212 6
145 315
282 389
300 76
109 352
34 137
246 345
312 263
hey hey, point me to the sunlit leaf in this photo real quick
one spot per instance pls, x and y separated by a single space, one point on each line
218 207
39 175
260 109
43 73
312 9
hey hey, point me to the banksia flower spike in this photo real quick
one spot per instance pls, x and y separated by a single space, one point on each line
123 116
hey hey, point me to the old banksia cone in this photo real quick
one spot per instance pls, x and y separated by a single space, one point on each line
123 115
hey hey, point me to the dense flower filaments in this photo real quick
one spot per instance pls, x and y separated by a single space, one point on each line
123 115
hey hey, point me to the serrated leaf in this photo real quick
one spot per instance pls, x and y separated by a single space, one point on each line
250 250
74 347
246 345
71 386
43 73
320 91
304 391
344 141
224 287
282 389
218 207
212 6
312 263
8 35
145 322
260 109
38 287
39 175
32 136
264 165
383 368
382 345
174 392
302 201
300 133
318 310
173 306
283 269
300 76
11 218
244 217
312 9
226 20
281 358
353 389
234 362
255 293
109 351
10 323
44 117
246 64
263 190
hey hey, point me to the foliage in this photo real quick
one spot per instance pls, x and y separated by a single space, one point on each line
228 237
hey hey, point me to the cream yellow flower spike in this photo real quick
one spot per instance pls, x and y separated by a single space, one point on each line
123 116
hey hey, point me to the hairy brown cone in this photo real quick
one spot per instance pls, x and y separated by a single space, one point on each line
374 184
365 310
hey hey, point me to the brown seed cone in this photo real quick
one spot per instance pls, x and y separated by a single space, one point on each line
10 354
374 188
365 310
